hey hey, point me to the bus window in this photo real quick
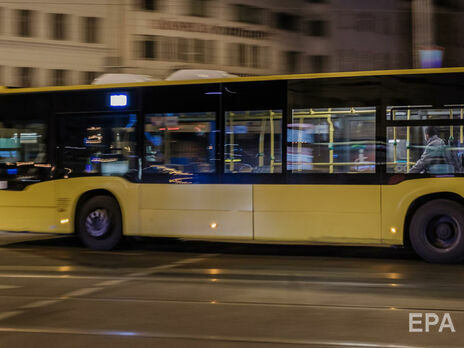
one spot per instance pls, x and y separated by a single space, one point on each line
253 141
414 113
98 144
332 140
425 149
23 150
180 142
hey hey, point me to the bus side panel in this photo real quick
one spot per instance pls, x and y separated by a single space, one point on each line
396 200
32 209
197 211
126 193
317 213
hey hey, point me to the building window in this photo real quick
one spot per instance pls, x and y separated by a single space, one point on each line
183 49
286 21
318 63
88 76
58 26
242 55
292 61
91 29
332 140
317 28
249 14
25 18
364 22
199 8
1 20
149 48
210 52
199 51
25 76
247 55
58 77
148 5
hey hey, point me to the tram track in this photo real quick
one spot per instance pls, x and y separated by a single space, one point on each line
226 303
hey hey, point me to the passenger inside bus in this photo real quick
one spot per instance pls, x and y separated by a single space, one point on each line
437 157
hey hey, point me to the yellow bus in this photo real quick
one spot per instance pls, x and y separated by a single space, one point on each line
359 158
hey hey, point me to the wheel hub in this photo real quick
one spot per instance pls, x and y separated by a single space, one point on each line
442 232
97 222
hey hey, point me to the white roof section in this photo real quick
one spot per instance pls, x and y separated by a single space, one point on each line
197 74
107 79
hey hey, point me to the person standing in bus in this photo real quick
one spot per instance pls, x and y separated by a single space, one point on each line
435 159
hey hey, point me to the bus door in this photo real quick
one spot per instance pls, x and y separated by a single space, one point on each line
27 193
182 193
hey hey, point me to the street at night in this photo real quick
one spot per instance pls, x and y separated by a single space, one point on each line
172 293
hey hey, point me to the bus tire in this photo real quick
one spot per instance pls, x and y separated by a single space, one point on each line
99 223
436 231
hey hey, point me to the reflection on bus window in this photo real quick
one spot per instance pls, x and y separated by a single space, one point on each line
99 144
332 140
23 150
423 112
253 141
427 149
180 142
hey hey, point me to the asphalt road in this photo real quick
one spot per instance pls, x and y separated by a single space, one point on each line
169 293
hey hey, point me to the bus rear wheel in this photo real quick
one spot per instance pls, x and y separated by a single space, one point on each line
99 223
437 231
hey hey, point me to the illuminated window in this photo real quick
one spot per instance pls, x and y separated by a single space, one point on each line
332 140
181 142
253 141
425 147
99 144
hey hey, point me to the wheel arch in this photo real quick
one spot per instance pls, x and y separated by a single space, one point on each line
420 201
85 196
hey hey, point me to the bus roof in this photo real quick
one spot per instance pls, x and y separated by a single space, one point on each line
237 79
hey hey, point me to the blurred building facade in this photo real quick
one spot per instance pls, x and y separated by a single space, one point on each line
72 41
52 42
244 37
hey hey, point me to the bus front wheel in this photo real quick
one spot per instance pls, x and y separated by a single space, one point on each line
99 223
437 231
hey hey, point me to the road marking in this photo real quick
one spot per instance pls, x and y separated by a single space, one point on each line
6 315
123 253
144 276
6 287
81 292
111 282
88 291
243 339
39 304
64 268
